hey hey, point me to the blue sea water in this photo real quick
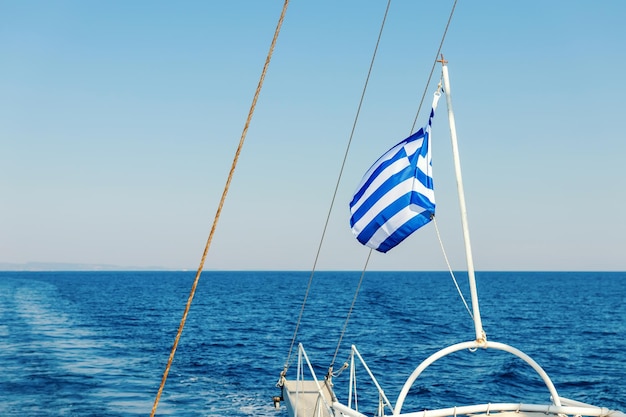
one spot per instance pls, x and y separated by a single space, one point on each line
96 343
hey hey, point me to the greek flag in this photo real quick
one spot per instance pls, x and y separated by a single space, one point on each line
395 196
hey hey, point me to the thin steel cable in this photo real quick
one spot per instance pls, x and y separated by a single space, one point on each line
288 361
356 293
412 129
332 203
443 250
432 69
219 209
445 256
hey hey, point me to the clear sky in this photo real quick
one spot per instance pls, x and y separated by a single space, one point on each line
119 121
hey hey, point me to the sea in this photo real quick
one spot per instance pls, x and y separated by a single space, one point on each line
97 343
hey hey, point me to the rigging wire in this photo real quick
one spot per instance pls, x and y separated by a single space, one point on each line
332 203
445 256
432 70
345 324
219 209
288 361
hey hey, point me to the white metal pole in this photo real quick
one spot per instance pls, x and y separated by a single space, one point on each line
480 335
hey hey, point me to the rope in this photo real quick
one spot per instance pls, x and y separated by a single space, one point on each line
443 250
219 209
332 203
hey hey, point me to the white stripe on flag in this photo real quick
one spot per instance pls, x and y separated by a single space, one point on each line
386 204
389 197
406 186
388 172
393 224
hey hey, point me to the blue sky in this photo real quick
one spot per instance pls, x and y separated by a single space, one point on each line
119 121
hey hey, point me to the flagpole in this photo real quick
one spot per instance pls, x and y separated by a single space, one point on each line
480 334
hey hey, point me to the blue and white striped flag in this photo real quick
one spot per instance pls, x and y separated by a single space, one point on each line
395 196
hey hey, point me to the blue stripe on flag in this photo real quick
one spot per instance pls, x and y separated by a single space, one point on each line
395 196
378 192
409 227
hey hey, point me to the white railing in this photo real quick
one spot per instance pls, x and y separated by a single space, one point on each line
300 376
560 406
382 398
475 345
337 408
517 408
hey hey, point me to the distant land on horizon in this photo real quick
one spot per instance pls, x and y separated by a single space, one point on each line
61 266
66 266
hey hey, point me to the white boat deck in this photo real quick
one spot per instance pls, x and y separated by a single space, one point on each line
302 398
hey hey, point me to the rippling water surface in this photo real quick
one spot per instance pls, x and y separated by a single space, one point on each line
96 343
